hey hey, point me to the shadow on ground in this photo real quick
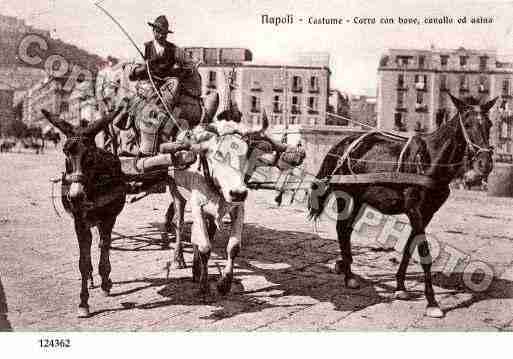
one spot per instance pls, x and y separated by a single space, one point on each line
287 268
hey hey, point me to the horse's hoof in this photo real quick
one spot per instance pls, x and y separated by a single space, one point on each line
401 294
83 312
352 283
225 284
434 312
339 267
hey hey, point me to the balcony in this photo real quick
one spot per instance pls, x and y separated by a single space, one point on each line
420 86
295 110
278 88
211 85
483 89
464 89
401 108
313 112
401 87
277 109
254 110
506 94
444 88
419 107
314 89
297 89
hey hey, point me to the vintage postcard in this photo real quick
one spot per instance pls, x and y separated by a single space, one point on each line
243 165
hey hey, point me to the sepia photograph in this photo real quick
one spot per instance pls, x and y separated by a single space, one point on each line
255 166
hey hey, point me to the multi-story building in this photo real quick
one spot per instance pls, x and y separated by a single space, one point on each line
414 87
290 95
48 95
338 108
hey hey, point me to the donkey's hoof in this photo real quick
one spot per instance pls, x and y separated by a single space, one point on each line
401 295
434 312
225 284
83 312
106 292
352 283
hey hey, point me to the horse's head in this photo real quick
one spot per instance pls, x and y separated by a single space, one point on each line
475 125
79 149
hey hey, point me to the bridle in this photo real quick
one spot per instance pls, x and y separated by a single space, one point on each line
473 148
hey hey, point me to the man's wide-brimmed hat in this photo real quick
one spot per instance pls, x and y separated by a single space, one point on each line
161 24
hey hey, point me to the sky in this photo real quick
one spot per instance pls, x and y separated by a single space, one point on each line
354 49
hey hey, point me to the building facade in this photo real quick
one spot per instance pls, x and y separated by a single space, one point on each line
290 95
363 110
414 87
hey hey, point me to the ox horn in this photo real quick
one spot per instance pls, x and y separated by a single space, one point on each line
95 127
62 125
211 104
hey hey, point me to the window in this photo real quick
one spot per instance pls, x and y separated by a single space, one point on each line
463 83
422 60
313 105
399 122
314 121
463 60
314 84
443 82
443 99
277 120
255 84
483 62
212 79
278 83
277 104
420 98
255 104
402 61
483 84
296 105
444 60
297 84
505 87
400 81
400 100
420 82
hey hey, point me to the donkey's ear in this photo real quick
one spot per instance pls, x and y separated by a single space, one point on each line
265 122
487 106
460 105
62 125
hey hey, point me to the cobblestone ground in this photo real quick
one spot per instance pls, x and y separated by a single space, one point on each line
284 278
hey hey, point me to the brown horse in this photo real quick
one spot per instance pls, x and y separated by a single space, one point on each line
440 161
93 192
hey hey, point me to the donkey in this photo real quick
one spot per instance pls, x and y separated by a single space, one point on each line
94 193
444 152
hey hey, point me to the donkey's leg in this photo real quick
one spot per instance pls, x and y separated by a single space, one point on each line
86 268
225 282
104 268
344 230
203 247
